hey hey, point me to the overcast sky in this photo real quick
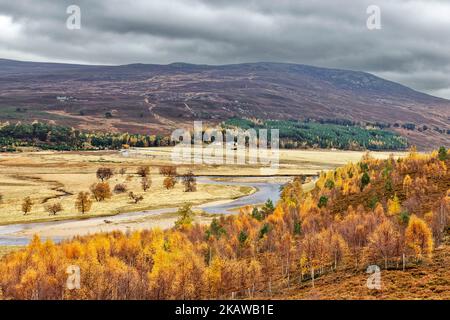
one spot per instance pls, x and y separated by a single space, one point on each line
412 47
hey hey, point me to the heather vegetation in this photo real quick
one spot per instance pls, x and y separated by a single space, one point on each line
391 212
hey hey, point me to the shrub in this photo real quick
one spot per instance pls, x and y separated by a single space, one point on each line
190 182
323 201
143 171
146 182
104 173
256 214
54 208
329 184
186 216
264 230
169 183
120 188
442 154
135 198
168 171
27 204
365 180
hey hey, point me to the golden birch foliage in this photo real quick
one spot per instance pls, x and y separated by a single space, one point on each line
418 237
383 241
394 207
214 276
307 205
407 183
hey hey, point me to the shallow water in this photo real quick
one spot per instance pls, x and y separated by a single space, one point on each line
267 188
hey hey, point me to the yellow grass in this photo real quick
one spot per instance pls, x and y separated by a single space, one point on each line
58 176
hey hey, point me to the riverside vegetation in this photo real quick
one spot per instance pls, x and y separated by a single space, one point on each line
390 212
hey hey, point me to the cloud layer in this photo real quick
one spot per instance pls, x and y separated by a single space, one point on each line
412 47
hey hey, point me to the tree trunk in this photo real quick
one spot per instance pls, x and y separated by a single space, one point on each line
270 288
404 262
335 261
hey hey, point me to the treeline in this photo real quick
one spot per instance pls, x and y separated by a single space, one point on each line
292 135
345 135
383 125
390 212
56 137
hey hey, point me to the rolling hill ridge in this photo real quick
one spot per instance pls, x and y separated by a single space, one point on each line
148 98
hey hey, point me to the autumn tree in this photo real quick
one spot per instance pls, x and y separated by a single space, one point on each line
394 207
83 202
146 182
120 188
418 237
104 173
143 171
189 182
311 248
136 198
407 183
438 220
168 171
169 182
214 277
186 215
355 228
245 254
383 242
335 247
54 208
101 191
27 204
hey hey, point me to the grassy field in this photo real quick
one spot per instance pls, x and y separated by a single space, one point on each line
60 182
51 176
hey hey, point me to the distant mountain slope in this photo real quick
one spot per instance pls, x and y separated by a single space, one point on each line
143 97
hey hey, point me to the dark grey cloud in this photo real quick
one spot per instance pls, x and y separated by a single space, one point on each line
412 47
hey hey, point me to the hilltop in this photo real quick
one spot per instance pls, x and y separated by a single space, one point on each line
155 99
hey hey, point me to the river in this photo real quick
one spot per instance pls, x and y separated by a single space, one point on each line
20 234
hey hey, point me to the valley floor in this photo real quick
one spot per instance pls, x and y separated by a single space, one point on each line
50 176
